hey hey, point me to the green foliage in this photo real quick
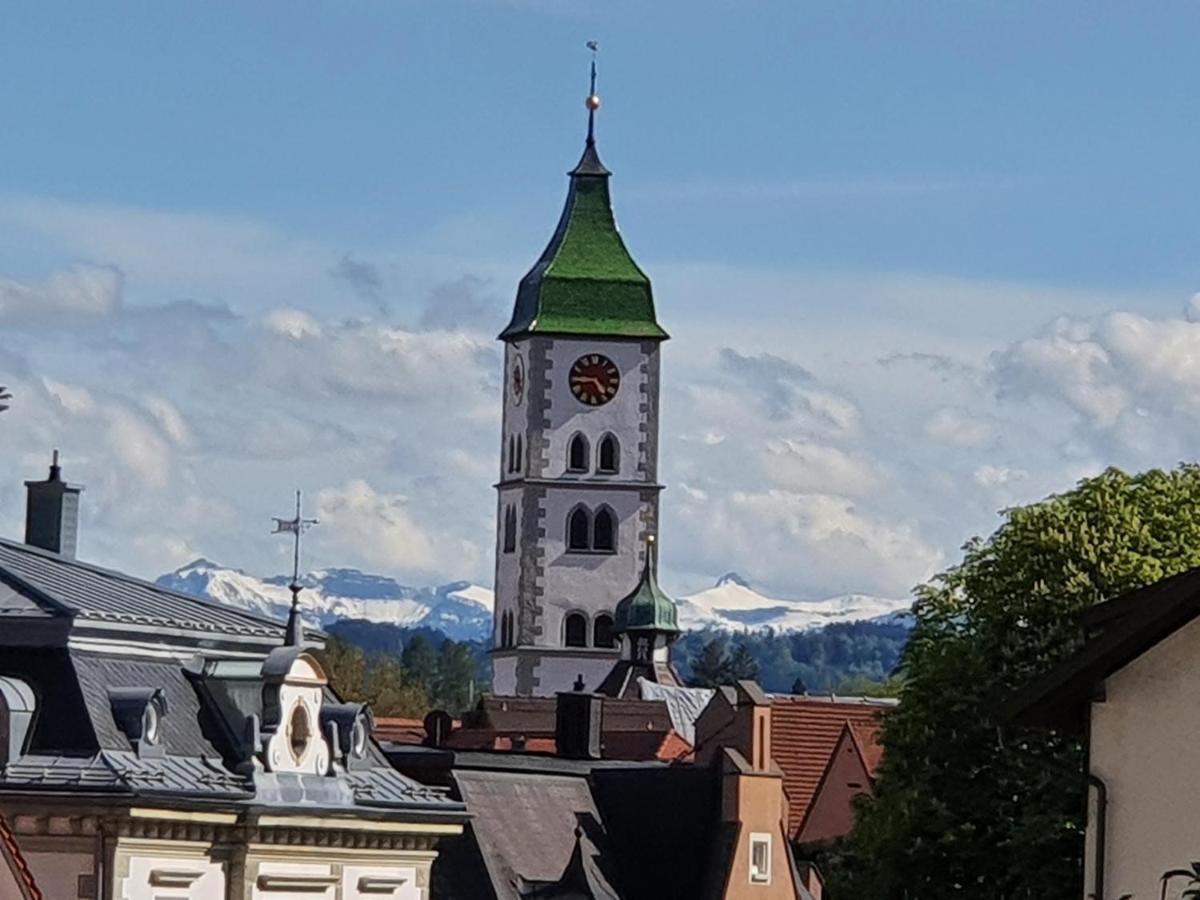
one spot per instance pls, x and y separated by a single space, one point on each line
716 666
964 808
403 672
822 660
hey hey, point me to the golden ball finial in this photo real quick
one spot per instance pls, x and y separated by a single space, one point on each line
593 102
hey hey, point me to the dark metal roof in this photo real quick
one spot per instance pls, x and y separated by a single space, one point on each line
57 585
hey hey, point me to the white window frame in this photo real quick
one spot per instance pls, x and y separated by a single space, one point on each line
760 839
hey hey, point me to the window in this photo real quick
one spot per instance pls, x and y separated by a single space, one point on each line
299 731
511 452
760 859
510 529
519 464
609 458
506 629
577 454
575 630
604 531
579 530
602 631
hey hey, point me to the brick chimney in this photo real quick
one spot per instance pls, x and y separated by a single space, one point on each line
52 513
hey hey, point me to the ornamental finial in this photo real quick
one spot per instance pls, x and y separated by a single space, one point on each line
593 99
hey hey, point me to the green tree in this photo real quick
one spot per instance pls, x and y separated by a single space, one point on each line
391 692
709 669
346 666
963 806
741 666
455 690
420 662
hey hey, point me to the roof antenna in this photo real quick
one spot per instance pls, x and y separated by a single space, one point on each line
294 635
593 100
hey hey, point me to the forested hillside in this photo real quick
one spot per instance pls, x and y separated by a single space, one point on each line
408 671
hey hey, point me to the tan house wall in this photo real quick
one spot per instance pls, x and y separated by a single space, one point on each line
1144 742
756 802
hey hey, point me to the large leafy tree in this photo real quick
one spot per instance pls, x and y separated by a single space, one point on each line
968 807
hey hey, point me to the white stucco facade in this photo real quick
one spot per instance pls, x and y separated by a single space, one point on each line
1143 746
540 578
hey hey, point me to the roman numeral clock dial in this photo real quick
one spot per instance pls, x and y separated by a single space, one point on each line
594 379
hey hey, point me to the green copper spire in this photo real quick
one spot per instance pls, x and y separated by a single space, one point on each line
585 282
648 608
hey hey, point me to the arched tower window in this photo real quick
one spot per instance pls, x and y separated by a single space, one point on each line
602 631
510 529
519 459
604 530
575 629
577 454
609 458
579 530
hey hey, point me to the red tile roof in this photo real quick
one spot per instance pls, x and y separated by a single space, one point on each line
804 734
403 731
10 855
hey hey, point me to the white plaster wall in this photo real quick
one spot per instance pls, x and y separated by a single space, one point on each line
379 882
504 676
621 415
1145 744
558 672
294 870
591 582
143 869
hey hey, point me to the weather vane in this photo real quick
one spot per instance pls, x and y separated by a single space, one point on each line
295 527
4 395
593 100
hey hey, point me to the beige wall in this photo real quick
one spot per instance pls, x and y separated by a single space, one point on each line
755 801
1144 745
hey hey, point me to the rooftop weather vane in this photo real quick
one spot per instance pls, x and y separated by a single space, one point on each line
593 100
4 395
295 527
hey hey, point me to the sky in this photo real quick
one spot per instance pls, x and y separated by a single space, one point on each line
920 262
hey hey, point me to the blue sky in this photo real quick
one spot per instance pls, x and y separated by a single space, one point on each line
920 260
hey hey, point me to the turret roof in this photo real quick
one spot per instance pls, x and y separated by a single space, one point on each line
647 608
586 282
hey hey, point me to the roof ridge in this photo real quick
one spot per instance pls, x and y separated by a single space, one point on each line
116 575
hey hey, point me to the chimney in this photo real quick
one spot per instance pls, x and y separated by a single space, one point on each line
577 724
52 513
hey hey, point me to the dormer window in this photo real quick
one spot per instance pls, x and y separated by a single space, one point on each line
760 858
299 731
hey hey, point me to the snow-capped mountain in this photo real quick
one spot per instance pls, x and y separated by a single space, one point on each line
460 610
731 603
463 611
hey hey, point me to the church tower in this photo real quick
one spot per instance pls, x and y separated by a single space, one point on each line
578 489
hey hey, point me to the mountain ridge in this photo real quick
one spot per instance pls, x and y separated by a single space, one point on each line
463 611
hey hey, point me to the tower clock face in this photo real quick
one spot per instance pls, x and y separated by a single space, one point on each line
594 379
516 381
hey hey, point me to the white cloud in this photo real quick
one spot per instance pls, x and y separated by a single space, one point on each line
809 467
381 530
958 428
82 291
818 541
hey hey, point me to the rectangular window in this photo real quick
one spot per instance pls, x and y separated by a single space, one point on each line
760 859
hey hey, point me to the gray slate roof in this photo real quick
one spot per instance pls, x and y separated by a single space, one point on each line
116 771
33 579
